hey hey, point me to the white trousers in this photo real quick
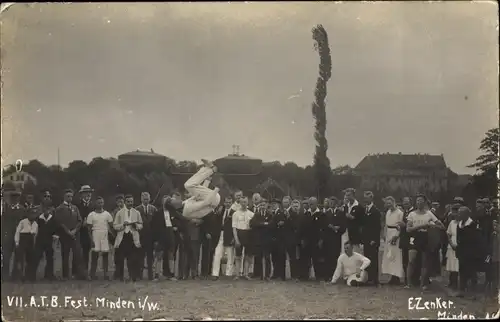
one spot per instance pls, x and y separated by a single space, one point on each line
219 253
362 278
203 200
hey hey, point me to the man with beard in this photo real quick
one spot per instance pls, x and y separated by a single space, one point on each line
355 214
44 240
335 228
146 209
85 207
371 237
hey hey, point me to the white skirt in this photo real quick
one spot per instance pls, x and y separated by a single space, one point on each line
451 260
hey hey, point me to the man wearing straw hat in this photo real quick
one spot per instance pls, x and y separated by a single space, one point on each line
85 207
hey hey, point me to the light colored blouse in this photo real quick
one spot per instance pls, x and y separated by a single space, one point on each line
241 219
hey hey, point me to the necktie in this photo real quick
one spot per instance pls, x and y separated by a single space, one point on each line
225 215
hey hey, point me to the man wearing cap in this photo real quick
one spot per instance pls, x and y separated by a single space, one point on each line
44 240
13 213
85 207
69 222
372 227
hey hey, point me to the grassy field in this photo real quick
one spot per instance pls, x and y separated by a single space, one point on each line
196 300
226 298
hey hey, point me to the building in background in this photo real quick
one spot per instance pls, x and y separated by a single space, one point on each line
19 180
404 174
138 158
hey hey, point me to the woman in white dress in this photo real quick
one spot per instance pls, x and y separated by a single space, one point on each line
451 257
392 262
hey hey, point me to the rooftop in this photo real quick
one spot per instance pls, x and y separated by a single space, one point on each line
400 161
142 154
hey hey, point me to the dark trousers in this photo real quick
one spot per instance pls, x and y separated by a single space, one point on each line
194 257
8 254
404 252
26 256
146 253
127 251
45 249
467 272
279 260
311 252
332 253
207 256
72 244
262 257
86 247
371 252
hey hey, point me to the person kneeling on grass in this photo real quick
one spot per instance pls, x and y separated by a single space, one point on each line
351 266
99 222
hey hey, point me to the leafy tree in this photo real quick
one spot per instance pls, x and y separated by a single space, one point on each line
485 182
321 160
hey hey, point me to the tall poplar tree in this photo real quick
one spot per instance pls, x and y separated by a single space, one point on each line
321 161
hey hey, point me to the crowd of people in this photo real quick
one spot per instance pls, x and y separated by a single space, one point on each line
339 239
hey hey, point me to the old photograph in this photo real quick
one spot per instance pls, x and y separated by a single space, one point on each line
249 160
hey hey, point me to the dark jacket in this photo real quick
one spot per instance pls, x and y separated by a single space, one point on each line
470 244
46 226
10 219
354 226
372 226
263 226
313 225
335 217
68 216
146 231
160 233
85 210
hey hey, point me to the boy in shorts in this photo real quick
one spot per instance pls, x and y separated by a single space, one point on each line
99 222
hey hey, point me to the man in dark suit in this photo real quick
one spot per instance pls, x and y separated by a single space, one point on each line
162 230
312 224
44 239
146 252
335 227
12 214
257 262
279 240
208 229
85 207
355 214
262 232
223 238
69 222
372 227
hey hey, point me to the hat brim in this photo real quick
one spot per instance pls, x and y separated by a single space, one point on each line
86 190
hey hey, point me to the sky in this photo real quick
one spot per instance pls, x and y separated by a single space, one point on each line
190 80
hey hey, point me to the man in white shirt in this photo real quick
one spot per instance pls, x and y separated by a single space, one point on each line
25 246
203 200
99 223
128 222
237 197
351 266
243 239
